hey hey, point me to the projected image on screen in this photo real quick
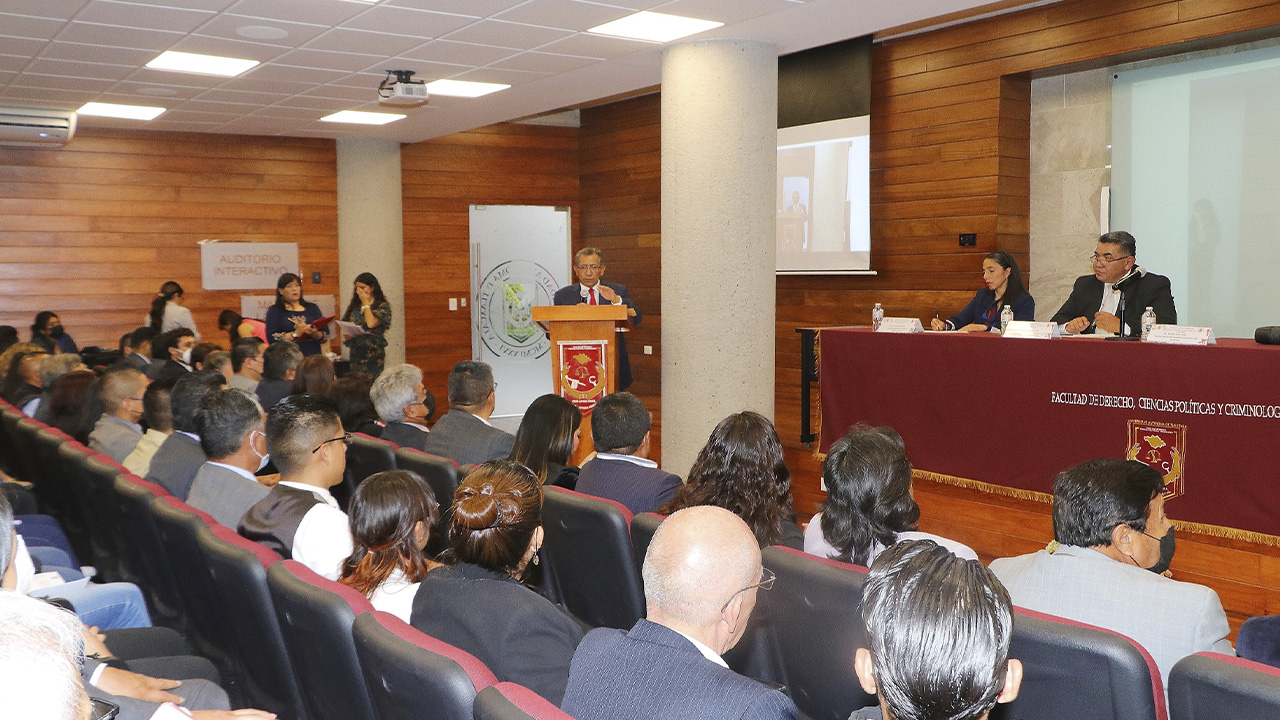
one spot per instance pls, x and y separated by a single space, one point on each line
822 203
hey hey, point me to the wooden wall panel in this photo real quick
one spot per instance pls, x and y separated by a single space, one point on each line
91 229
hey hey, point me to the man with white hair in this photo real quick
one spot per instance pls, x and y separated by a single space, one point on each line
404 404
40 647
701 576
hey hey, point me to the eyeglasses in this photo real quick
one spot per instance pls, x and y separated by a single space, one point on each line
588 267
764 584
346 440
1107 258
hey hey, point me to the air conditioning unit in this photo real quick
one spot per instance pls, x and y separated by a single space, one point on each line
36 127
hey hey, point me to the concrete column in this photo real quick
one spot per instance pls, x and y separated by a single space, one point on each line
371 227
719 160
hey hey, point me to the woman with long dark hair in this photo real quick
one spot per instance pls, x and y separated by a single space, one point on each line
167 312
392 516
1004 287
48 333
236 327
741 469
548 436
292 316
869 505
370 310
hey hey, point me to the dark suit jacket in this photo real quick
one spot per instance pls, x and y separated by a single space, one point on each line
572 295
1140 292
1024 308
406 436
175 464
655 673
641 489
270 392
171 370
519 634
466 439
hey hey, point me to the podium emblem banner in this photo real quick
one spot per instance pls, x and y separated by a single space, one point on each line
1162 446
583 372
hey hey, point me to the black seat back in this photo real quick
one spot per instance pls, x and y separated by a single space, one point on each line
643 526
148 557
509 701
588 562
443 477
1208 686
365 456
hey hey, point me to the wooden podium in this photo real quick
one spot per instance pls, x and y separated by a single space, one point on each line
574 323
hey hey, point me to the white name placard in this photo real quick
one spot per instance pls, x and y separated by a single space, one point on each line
900 325
245 265
1181 335
1029 329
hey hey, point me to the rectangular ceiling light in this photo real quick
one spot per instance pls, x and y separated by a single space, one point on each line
654 27
463 88
201 64
127 112
359 117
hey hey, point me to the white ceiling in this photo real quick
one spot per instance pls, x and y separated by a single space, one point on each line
64 53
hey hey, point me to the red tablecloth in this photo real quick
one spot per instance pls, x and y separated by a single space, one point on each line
1015 412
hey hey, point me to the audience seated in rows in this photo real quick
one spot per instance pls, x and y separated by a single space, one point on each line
547 439
175 348
1112 541
54 367
47 332
621 470
392 515
201 352
464 433
117 432
246 363
701 576
218 361
22 384
176 462
477 603
138 356
280 362
40 647
158 417
404 404
869 505
351 392
231 433
741 469
298 518
68 404
314 375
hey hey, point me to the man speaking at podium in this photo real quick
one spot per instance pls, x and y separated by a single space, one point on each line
588 264
1095 301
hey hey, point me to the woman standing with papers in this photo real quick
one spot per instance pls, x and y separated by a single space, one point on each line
370 311
1004 287
293 317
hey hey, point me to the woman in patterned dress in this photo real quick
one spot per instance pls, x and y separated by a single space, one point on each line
370 310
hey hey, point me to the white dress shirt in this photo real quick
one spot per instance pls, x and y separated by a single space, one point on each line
323 540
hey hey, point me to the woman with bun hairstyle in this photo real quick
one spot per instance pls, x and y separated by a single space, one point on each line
167 312
476 601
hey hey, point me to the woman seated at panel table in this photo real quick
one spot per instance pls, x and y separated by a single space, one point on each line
1004 287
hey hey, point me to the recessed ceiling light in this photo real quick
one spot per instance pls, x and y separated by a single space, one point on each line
463 88
360 117
655 27
128 112
201 64
261 32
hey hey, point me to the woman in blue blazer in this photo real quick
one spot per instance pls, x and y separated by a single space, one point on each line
1004 287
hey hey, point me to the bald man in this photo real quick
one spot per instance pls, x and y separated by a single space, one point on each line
701 576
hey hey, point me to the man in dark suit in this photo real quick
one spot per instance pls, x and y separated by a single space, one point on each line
139 355
404 404
588 263
464 433
701 576
231 435
279 364
175 464
1093 303
621 470
177 345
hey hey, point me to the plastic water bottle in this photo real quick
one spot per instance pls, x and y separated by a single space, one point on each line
1148 321
877 314
1006 317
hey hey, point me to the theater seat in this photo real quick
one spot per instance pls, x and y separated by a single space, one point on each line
588 563
442 475
407 671
643 526
1073 671
316 616
238 569
509 701
147 553
1259 640
1209 686
365 456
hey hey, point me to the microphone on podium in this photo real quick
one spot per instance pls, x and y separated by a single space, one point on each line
1267 335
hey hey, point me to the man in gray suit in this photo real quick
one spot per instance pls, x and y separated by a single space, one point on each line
231 435
1112 542
175 464
117 432
464 433
404 404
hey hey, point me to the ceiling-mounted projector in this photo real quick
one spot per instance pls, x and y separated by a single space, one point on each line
399 88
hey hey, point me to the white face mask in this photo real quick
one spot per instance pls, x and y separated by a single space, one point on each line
186 356
262 459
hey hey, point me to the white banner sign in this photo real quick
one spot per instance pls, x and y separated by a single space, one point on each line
246 266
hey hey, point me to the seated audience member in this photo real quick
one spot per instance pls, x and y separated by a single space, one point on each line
938 630
40 650
117 432
280 362
314 375
701 576
231 435
48 333
392 514
22 384
202 351
139 355
298 518
246 364
741 469
176 347
179 458
478 603
159 419
218 361
622 470
464 433
1111 542
355 406
54 367
6 361
869 505
67 404
547 439
404 404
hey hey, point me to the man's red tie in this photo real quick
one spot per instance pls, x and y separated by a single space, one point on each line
593 297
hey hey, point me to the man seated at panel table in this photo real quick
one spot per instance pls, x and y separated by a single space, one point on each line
1094 301
1112 541
621 470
